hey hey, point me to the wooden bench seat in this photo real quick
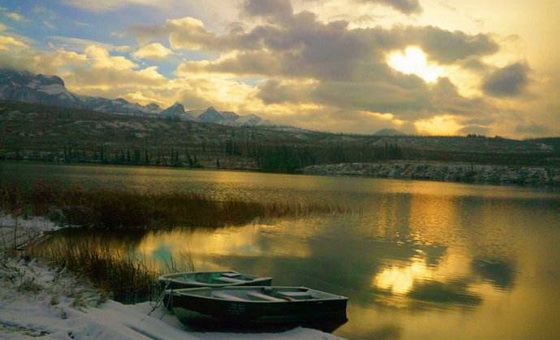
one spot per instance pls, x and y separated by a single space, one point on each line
226 296
296 294
229 280
261 296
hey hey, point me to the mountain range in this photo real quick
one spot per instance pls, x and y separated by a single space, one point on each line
24 86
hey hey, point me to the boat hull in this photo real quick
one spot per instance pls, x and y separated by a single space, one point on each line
293 312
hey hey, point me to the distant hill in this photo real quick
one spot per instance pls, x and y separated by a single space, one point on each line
550 141
57 134
389 132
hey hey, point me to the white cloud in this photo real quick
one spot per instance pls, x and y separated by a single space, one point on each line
15 16
78 45
154 51
12 15
8 41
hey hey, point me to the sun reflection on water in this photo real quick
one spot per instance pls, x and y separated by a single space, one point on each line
399 279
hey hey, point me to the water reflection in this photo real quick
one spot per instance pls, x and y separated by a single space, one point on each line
421 260
501 273
400 279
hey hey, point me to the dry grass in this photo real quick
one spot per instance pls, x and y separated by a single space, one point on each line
115 270
116 208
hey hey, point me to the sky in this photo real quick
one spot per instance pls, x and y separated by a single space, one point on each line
427 67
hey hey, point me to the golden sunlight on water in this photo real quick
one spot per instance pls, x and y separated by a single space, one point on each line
419 260
400 279
234 241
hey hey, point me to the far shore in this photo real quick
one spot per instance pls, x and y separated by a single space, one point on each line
533 176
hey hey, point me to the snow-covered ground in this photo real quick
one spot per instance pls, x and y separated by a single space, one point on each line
41 301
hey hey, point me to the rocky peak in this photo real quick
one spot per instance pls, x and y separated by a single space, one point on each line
211 115
154 107
174 111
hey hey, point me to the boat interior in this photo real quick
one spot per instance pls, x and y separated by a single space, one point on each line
264 294
213 277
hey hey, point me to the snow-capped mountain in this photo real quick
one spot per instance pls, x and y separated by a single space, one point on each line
211 115
389 132
175 111
50 90
26 87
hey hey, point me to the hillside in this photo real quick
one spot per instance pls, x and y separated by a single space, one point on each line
49 133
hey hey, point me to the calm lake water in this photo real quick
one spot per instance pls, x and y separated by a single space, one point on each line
419 260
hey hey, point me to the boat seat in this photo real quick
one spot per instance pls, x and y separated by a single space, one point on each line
230 274
301 295
229 280
262 296
226 296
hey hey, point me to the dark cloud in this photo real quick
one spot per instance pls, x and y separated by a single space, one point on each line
446 98
405 6
280 9
376 96
274 91
332 65
444 46
509 81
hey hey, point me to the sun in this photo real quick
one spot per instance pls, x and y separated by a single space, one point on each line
414 61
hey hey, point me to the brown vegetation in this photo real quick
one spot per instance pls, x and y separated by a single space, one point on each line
118 208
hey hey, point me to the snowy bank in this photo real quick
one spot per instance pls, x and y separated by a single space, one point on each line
39 300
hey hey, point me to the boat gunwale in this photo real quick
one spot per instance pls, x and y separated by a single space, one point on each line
183 292
166 278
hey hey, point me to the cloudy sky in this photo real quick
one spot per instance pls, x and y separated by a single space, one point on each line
354 66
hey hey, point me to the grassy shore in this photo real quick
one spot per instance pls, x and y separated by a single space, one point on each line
126 277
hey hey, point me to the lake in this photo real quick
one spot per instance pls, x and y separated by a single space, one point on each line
418 259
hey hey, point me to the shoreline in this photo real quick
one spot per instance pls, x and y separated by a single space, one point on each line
444 172
451 172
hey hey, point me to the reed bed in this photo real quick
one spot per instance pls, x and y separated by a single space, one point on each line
120 271
118 208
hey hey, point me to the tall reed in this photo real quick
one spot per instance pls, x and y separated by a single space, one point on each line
118 208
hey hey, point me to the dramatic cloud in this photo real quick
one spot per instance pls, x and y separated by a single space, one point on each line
509 81
276 91
331 65
308 63
444 46
188 33
155 51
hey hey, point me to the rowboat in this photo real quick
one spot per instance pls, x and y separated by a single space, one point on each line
260 305
211 279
